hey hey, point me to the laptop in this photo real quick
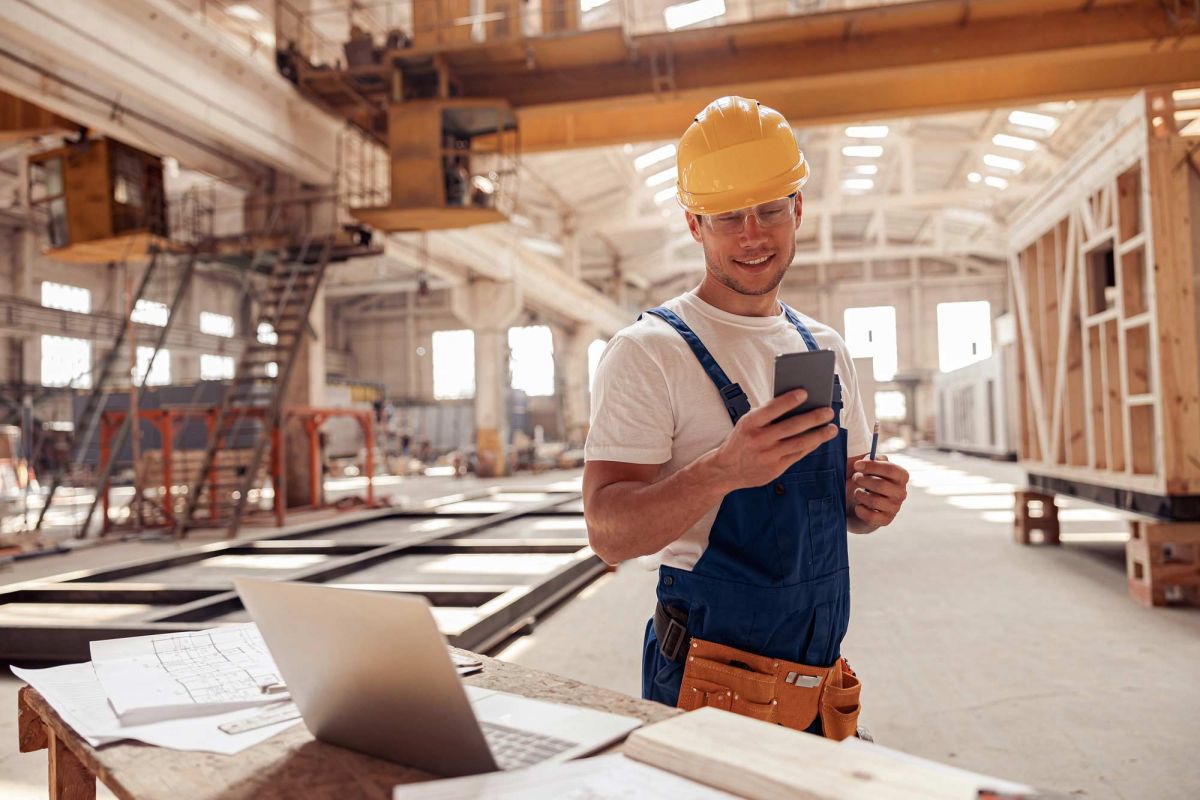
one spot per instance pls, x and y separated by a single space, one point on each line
370 671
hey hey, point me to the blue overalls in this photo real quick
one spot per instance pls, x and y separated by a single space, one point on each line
775 578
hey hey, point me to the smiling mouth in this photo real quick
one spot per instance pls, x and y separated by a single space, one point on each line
753 262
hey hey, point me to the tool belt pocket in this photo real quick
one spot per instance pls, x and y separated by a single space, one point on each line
840 706
710 682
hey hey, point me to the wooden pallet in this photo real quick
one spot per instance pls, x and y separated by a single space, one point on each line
1163 563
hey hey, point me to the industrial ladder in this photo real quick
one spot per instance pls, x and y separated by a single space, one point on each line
255 396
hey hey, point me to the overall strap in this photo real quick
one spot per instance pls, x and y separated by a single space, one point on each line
736 402
809 340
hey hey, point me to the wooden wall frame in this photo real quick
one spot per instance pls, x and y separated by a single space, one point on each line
1103 275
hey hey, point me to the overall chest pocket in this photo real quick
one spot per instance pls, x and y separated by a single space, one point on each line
809 530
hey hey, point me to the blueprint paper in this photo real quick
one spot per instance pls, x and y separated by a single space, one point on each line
74 691
164 676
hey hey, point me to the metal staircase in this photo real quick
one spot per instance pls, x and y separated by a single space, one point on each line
253 403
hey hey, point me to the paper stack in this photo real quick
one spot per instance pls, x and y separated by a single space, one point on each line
215 690
184 691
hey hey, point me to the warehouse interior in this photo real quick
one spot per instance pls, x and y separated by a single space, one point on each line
317 290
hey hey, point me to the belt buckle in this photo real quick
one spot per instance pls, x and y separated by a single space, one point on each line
675 641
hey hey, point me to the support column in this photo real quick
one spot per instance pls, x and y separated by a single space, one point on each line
489 308
305 388
571 362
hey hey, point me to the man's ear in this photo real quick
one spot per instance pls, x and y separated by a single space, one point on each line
799 208
693 223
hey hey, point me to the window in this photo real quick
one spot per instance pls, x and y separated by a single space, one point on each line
47 191
595 350
67 298
891 406
149 312
215 368
964 333
453 365
66 362
160 374
531 360
267 334
216 324
871 333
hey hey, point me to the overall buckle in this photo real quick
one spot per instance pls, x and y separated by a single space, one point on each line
672 634
736 402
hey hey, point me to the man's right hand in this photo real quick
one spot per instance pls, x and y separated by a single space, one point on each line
757 451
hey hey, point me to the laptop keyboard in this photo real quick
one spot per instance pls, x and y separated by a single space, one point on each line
513 748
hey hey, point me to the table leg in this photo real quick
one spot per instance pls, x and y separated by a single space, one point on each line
69 778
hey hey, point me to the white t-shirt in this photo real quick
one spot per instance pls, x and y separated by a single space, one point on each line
652 402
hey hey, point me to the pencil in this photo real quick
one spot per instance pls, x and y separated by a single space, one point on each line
874 441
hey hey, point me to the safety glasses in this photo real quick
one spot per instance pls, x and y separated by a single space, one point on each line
769 215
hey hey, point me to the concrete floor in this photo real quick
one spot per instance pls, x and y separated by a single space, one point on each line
1027 663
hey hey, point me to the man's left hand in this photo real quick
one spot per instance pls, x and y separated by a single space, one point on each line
880 488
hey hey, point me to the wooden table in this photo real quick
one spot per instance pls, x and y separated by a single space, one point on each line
290 764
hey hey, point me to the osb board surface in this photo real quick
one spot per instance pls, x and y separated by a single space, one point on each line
294 765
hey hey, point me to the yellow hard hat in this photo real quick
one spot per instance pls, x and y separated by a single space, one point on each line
738 153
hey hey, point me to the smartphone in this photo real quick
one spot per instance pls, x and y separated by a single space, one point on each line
811 370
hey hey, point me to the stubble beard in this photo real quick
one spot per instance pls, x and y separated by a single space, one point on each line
728 281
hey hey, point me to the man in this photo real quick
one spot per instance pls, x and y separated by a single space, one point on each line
748 517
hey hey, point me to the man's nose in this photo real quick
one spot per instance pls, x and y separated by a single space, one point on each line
752 231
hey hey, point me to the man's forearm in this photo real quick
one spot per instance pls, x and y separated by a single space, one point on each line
630 519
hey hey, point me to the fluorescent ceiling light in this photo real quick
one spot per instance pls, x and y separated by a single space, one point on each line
543 246
659 178
654 156
866 169
1027 119
684 14
867 131
974 177
1185 95
1003 162
521 221
1015 142
862 151
1058 106
243 11
858 184
588 5
663 195
996 182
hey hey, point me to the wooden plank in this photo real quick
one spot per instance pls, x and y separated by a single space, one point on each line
1174 212
69 778
1066 335
1114 398
32 734
1019 273
20 119
761 761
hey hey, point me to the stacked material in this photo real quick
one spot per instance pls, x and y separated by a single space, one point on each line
215 690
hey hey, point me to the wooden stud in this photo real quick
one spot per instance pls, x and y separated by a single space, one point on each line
32 734
69 778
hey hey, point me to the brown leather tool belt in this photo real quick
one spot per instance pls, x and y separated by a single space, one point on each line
768 689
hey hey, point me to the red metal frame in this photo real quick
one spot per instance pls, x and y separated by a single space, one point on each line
166 422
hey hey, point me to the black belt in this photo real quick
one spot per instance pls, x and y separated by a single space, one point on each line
670 627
